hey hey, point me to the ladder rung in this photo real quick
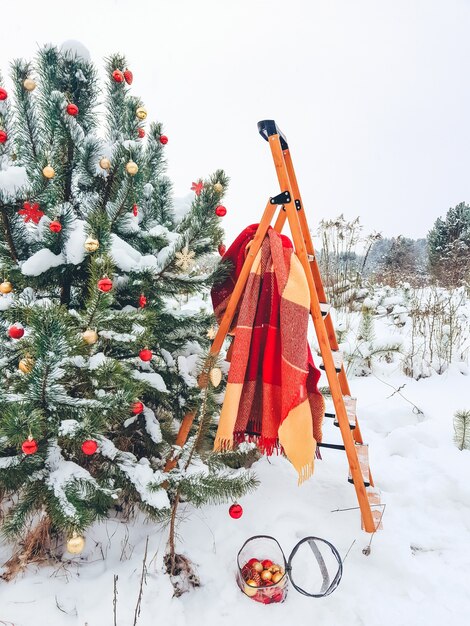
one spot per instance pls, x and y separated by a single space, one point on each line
337 360
325 308
366 484
333 446
362 450
351 426
333 415
378 509
337 369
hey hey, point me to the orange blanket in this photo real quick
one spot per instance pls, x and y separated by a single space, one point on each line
272 395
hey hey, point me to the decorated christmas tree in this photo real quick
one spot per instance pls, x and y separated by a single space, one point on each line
99 359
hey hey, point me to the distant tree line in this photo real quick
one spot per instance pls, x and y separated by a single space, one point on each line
347 256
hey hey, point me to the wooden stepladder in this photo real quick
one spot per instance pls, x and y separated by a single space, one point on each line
291 209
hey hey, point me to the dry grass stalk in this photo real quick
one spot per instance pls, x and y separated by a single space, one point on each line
35 548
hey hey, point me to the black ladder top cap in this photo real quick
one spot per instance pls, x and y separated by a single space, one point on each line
268 128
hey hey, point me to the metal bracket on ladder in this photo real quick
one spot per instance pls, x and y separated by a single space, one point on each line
281 198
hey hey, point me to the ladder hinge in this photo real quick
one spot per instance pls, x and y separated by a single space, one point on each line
298 206
281 198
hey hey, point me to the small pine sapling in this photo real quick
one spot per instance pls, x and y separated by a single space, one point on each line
462 429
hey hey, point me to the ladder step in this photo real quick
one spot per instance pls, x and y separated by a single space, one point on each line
351 426
338 360
325 308
374 497
332 415
362 450
337 369
332 446
366 484
350 406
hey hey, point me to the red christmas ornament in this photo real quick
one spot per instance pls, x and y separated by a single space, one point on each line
55 226
145 354
135 210
220 211
31 212
118 76
267 563
142 300
29 446
89 447
137 407
105 284
3 94
222 249
141 132
235 511
16 331
72 109
197 187
3 136
129 77
163 139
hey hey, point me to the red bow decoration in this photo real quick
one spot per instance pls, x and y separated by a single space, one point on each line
197 187
31 212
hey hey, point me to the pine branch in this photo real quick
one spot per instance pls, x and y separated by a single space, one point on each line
462 430
44 387
121 208
8 235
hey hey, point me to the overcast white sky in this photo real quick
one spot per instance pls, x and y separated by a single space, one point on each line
373 95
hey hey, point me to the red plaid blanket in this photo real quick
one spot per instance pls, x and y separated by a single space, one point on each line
272 395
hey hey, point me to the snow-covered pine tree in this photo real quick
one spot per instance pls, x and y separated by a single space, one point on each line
449 246
98 360
361 354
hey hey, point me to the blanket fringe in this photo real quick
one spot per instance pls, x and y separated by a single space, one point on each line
266 445
305 473
223 444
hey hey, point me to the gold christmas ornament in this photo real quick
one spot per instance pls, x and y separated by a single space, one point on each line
132 168
141 113
6 287
90 336
258 567
211 333
91 244
29 84
26 365
185 259
105 163
215 376
75 544
218 187
48 172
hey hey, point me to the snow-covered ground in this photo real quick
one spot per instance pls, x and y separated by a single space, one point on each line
416 574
